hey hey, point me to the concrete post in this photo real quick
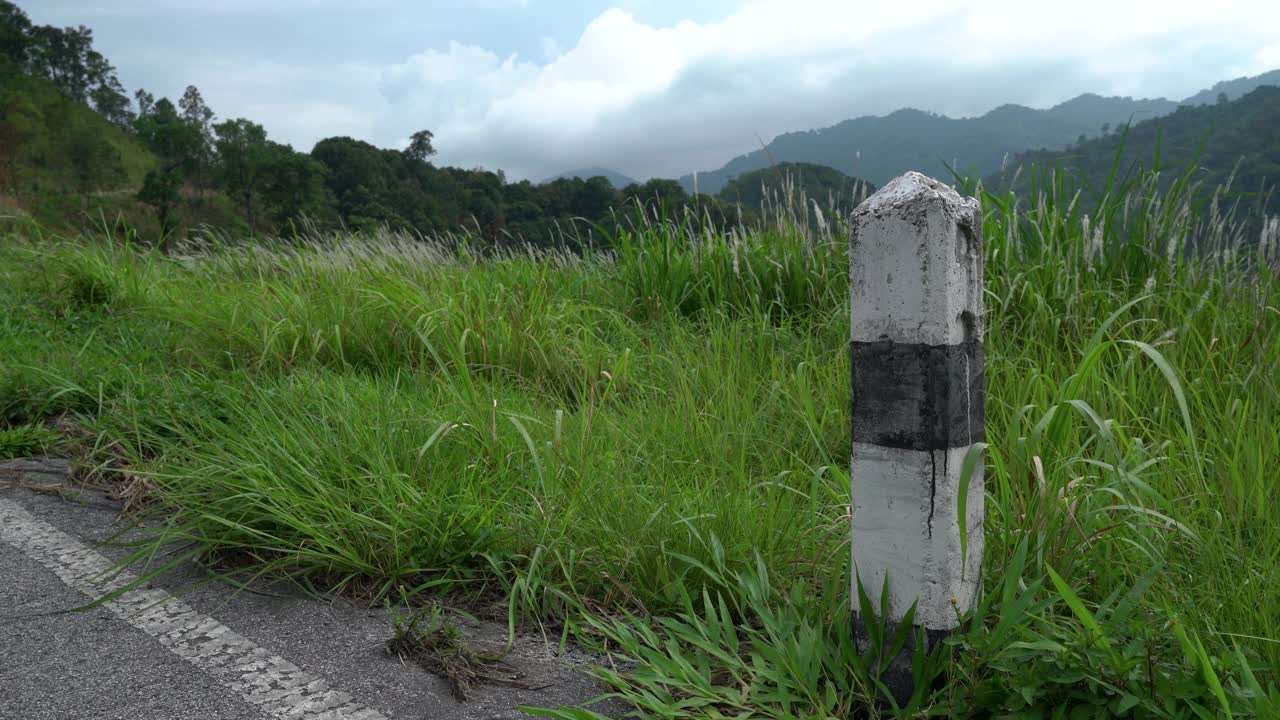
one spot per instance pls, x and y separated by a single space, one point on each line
915 255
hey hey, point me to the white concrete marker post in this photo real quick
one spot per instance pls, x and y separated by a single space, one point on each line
915 255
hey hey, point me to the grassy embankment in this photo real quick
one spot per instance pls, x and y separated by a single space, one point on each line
652 450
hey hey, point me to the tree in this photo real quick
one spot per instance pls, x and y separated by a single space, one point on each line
293 187
105 91
160 191
243 157
65 57
1222 98
146 102
62 56
420 147
657 193
168 136
111 102
379 185
350 163
176 144
757 189
194 109
595 198
198 115
15 34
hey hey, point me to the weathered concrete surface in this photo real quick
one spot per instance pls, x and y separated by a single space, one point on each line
95 664
894 519
916 264
917 392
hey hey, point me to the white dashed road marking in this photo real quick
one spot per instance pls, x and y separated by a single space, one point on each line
275 685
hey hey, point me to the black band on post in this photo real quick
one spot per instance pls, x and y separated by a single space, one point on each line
917 397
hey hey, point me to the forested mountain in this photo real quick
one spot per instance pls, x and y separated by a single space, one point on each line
879 148
1238 139
617 179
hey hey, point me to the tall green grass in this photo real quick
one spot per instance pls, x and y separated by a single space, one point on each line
648 447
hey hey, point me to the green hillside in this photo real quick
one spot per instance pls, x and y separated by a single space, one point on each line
59 158
51 125
1237 140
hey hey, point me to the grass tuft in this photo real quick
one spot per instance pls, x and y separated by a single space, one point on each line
427 637
26 440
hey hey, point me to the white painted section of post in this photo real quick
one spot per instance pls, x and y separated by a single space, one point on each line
916 287
913 273
891 489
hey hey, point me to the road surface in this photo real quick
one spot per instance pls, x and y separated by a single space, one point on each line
183 647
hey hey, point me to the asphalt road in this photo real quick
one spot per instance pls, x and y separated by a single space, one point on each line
183 647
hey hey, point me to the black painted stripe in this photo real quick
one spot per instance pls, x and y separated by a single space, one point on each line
915 396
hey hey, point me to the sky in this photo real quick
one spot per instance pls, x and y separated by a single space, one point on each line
650 88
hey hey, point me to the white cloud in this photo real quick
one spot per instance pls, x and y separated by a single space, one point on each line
448 91
668 98
1268 57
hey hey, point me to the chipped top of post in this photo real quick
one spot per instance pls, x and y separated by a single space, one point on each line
913 188
915 256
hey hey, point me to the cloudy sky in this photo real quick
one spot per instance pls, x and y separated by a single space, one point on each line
650 88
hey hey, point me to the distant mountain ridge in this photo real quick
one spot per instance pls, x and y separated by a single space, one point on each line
789 182
1243 145
879 148
617 179
1234 89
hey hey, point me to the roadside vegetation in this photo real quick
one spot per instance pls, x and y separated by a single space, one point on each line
645 450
